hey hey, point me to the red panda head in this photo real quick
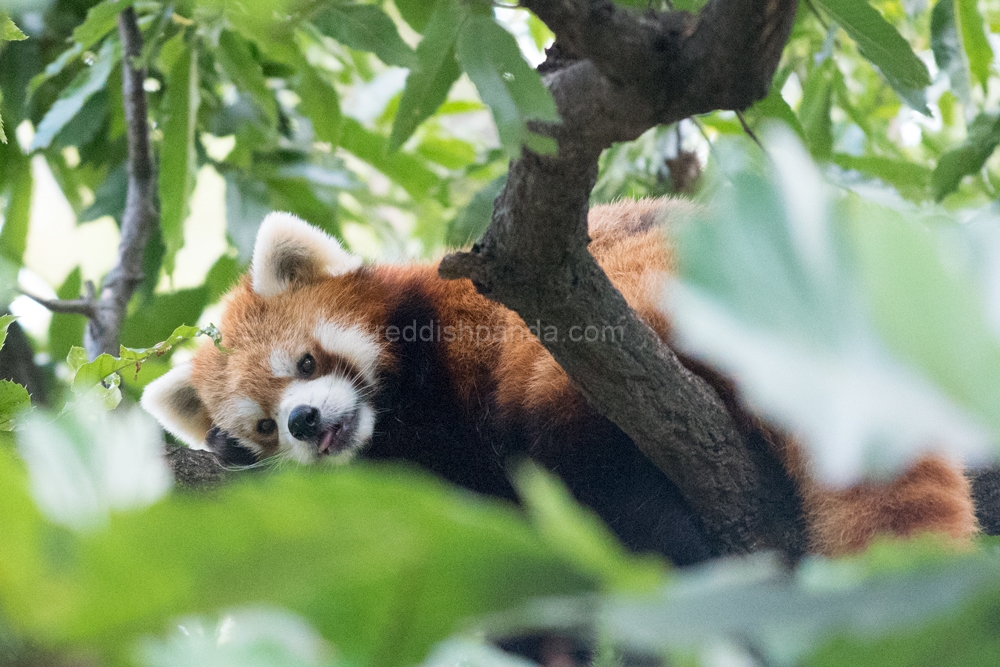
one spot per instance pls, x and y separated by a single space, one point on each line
299 360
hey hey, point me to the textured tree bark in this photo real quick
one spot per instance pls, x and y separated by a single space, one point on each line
614 75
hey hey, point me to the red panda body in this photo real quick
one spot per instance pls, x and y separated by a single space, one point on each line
327 359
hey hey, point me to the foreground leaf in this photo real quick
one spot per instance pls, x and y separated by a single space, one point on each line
383 562
101 19
14 399
972 34
770 295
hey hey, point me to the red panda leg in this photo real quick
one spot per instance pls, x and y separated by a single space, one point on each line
932 496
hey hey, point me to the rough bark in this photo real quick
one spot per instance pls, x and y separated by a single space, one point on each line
193 469
986 495
614 75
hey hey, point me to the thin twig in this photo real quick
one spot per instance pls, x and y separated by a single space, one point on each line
140 216
750 133
85 307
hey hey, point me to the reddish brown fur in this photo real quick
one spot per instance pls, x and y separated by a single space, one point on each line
629 245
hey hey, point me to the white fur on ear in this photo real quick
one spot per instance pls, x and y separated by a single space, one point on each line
174 402
290 251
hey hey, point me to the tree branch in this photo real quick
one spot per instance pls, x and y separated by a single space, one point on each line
618 75
140 216
87 306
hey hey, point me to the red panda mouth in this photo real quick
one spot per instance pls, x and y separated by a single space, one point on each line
336 438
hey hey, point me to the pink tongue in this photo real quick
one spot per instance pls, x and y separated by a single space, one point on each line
324 444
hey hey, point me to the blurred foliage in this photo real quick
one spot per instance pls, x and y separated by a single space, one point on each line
849 279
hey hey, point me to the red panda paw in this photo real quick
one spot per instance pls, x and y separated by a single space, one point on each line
932 496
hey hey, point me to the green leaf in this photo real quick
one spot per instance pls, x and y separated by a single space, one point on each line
177 153
55 68
5 321
154 320
416 12
473 220
9 32
580 536
770 294
14 400
406 170
17 215
513 90
775 106
87 83
817 93
239 63
66 331
320 104
91 373
77 479
882 45
948 52
402 561
910 179
366 28
430 79
101 19
929 311
972 34
969 158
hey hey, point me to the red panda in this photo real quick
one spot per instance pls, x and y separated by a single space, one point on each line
327 358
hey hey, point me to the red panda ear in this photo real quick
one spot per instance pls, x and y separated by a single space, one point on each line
291 252
175 403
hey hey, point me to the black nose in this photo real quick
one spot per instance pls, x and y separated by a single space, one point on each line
303 423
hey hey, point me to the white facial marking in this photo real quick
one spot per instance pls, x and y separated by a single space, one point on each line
352 343
283 364
174 402
333 396
241 409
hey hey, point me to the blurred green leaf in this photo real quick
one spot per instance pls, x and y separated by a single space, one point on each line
320 104
430 79
969 158
929 312
580 536
14 400
77 479
972 33
948 52
86 84
882 44
17 213
383 562
473 220
101 19
65 331
911 180
771 296
814 113
403 168
241 66
177 152
366 28
512 89
416 12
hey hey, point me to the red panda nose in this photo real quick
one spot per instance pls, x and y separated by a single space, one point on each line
303 422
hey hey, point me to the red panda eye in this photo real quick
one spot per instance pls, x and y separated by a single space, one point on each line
266 426
307 365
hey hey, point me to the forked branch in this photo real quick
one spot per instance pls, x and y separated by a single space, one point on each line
615 74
